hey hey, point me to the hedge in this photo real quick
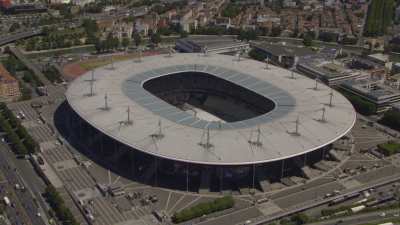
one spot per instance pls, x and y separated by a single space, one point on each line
391 119
23 143
389 148
57 204
203 209
17 146
362 106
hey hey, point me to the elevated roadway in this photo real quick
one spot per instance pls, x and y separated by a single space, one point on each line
31 66
20 35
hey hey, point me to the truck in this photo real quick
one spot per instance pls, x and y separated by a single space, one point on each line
357 208
6 200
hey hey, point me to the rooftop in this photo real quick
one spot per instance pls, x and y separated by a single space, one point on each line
5 76
212 42
375 90
286 50
295 99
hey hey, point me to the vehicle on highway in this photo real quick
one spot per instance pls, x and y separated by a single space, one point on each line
6 200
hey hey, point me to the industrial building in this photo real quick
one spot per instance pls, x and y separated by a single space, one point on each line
211 44
377 92
282 54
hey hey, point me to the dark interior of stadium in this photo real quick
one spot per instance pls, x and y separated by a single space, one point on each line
221 98
145 168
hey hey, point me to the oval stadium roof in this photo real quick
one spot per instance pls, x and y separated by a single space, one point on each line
184 135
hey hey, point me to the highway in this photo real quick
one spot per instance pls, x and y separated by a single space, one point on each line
263 220
13 176
372 217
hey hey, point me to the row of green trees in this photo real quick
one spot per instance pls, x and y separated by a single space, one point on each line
231 10
111 43
29 77
17 135
361 105
391 119
52 74
53 38
380 17
296 219
57 204
204 208
256 55
389 148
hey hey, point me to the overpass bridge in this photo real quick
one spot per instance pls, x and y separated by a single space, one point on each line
31 66
20 35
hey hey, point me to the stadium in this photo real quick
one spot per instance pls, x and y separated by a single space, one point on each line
206 123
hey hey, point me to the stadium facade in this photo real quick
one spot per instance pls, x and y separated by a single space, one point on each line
206 122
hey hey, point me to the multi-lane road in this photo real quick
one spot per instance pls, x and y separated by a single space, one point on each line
365 218
19 171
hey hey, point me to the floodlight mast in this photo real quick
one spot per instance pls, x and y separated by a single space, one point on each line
331 98
316 84
170 51
158 134
257 142
106 107
91 88
296 131
238 55
128 121
139 59
205 50
207 144
91 83
323 116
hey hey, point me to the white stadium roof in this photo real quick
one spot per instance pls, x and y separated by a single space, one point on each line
293 98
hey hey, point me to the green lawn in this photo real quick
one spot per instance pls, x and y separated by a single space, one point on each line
389 148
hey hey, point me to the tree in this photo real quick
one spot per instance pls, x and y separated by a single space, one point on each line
30 44
231 11
155 38
391 119
98 45
300 219
137 39
125 42
247 35
183 34
276 31
14 27
307 40
254 54
362 106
